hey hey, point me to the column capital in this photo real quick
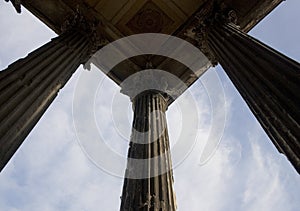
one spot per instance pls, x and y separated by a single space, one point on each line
152 80
89 27
215 15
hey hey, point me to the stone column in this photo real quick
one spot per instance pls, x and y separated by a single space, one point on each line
268 81
28 86
148 183
16 4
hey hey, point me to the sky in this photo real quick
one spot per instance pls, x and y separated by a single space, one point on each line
50 171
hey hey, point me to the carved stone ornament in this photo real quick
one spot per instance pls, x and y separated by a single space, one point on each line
208 17
151 79
150 18
16 4
77 22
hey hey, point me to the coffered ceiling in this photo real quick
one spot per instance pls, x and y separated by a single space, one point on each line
120 18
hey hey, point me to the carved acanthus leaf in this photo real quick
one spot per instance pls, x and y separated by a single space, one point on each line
152 79
77 22
206 18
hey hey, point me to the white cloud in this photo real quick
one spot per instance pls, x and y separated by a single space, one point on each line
50 171
20 35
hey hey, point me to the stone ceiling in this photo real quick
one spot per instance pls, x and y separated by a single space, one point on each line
120 18
125 17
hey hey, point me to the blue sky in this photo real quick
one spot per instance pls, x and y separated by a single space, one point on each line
51 172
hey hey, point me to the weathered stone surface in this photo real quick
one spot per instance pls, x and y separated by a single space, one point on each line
120 18
28 86
266 79
148 183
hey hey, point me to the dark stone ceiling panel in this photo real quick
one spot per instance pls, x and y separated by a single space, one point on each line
149 19
120 18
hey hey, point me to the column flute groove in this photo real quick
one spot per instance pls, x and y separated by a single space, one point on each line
268 81
147 183
29 85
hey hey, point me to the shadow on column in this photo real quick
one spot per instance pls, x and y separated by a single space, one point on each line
268 81
28 87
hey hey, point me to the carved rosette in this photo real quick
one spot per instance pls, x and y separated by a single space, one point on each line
149 19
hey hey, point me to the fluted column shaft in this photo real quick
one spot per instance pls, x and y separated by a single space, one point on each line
268 81
28 86
148 183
